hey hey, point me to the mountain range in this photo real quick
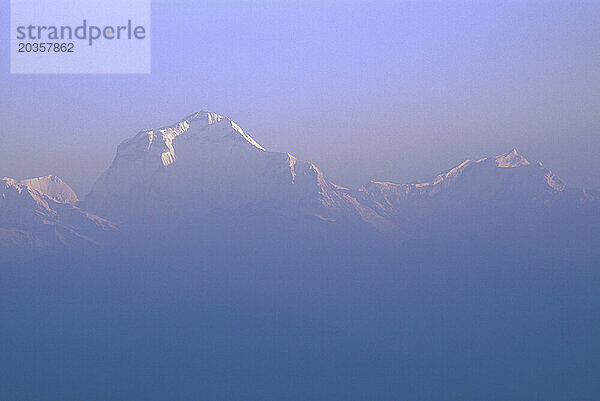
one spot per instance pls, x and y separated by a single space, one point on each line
205 171
203 266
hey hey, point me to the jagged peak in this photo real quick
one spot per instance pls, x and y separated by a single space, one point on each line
53 187
208 126
208 118
511 159
31 196
8 181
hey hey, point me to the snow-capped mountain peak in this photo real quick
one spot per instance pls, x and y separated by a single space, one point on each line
37 215
215 127
511 159
206 164
53 187
201 127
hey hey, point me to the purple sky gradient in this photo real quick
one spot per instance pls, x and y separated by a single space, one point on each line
387 90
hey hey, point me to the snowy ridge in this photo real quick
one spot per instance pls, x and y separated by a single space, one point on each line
510 160
53 187
505 181
46 221
203 125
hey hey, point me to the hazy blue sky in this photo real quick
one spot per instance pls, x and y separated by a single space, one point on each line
387 90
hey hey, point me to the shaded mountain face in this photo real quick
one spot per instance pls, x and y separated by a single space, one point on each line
206 166
37 216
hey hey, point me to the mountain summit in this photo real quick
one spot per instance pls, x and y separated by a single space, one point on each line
511 159
206 165
203 127
53 187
